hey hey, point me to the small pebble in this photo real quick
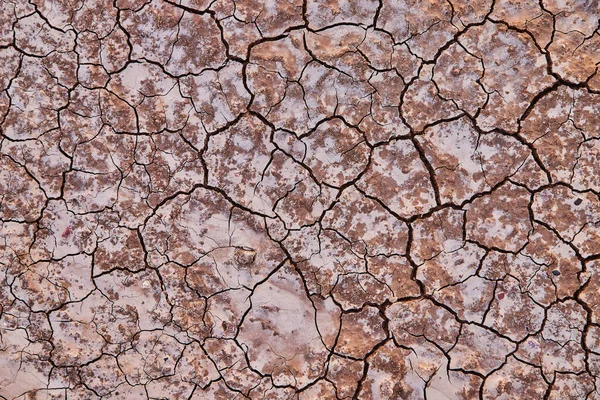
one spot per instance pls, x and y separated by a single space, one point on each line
578 202
556 272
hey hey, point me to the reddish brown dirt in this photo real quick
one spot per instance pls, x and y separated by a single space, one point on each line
299 199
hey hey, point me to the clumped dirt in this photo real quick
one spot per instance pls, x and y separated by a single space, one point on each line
361 199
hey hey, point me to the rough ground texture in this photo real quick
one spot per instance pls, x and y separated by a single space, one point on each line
363 199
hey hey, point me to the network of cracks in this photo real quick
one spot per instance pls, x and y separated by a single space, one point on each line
363 199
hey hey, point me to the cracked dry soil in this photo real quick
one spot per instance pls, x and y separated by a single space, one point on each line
318 199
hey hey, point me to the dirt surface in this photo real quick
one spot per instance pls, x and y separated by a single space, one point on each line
287 199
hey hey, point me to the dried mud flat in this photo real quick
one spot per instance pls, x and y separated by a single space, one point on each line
363 199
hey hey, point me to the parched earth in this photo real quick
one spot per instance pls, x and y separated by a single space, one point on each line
287 199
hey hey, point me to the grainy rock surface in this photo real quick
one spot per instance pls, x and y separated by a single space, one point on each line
299 199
